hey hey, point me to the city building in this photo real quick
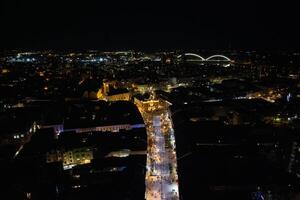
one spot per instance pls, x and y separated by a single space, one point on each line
110 92
70 158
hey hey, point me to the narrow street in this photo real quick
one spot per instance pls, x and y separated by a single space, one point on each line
161 176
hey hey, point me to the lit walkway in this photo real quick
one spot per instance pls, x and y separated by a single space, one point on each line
161 175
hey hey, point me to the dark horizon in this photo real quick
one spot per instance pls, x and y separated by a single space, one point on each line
111 26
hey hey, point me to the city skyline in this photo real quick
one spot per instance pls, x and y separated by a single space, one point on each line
149 100
150 126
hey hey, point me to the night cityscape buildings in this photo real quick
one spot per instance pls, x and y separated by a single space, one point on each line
155 125
156 101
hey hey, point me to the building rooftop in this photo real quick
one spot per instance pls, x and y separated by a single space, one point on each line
93 114
115 91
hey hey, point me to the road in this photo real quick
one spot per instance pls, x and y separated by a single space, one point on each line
161 176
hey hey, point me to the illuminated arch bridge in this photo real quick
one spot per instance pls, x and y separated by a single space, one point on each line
218 59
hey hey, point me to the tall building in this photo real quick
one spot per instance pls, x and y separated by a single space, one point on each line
110 92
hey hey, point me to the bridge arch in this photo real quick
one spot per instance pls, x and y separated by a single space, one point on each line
192 54
212 58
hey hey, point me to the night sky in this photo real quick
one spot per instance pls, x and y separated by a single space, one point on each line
149 25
